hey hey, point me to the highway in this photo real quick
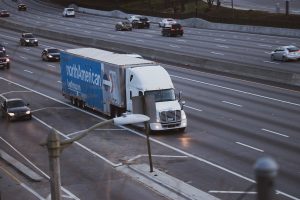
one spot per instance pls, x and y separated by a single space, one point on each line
231 123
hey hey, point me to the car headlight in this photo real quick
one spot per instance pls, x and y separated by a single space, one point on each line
11 114
26 40
7 59
50 56
28 112
35 40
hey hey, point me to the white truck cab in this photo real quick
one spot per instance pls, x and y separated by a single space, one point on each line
155 80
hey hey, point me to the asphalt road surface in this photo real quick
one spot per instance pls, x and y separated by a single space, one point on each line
231 123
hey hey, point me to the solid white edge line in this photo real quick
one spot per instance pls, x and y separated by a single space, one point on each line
251 147
192 108
37 195
235 90
263 129
25 70
158 142
231 192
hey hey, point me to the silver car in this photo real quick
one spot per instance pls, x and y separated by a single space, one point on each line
286 53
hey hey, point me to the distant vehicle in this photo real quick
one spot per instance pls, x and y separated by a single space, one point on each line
286 53
166 21
68 12
28 39
4 60
123 26
107 82
22 7
172 30
14 109
139 21
2 48
51 54
4 13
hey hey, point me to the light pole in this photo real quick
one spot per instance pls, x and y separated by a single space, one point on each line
55 147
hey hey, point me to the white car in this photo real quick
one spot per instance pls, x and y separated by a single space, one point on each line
286 53
69 12
167 21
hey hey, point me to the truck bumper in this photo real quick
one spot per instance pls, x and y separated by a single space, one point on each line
159 127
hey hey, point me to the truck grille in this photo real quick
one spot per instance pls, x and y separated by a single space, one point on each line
170 119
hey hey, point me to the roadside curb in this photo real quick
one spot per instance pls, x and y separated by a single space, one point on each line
163 183
20 167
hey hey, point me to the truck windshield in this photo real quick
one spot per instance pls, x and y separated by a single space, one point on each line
162 95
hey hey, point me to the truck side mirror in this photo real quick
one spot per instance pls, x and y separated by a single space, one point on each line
180 96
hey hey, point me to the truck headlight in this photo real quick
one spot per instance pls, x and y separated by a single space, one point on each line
26 40
11 114
28 112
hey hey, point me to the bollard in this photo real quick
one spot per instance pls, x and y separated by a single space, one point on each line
265 171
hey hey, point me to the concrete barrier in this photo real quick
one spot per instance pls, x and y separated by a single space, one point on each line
258 72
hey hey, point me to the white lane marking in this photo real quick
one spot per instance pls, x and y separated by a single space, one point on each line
23 57
217 53
51 66
23 184
218 39
264 45
192 108
234 104
138 40
59 81
79 144
239 91
181 40
27 49
25 70
231 192
110 35
87 31
262 39
266 61
33 165
78 25
58 108
37 195
147 35
174 46
97 28
154 140
223 46
67 28
267 52
276 133
158 156
251 147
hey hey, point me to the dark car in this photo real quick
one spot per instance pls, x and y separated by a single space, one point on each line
138 21
28 39
172 30
14 109
4 60
2 48
51 54
4 13
22 7
123 26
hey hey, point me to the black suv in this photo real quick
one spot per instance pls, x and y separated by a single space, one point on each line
28 39
22 7
4 60
140 22
14 109
172 30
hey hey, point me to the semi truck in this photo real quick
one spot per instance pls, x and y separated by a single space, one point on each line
107 82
